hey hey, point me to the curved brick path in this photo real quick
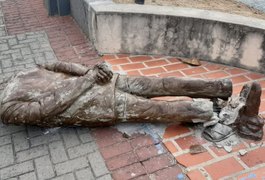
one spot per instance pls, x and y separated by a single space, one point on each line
73 153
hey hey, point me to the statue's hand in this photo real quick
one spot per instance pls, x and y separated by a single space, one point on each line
103 73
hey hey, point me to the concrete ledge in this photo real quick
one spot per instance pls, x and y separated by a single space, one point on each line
136 29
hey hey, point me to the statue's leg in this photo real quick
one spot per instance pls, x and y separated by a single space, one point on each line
196 88
132 108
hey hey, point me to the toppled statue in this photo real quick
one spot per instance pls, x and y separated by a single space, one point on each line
67 94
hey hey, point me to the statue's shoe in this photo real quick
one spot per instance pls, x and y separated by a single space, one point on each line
245 132
249 124
217 132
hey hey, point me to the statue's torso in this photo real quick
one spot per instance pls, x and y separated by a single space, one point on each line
94 107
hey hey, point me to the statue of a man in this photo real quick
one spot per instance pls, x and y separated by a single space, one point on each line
67 94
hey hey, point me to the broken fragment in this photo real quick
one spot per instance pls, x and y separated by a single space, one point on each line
192 62
242 152
196 149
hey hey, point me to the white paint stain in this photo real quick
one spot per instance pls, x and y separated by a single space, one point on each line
217 34
252 51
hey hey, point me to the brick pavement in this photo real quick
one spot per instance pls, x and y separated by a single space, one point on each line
136 157
23 51
2 24
178 138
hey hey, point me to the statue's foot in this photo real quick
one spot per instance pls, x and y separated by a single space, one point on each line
250 125
245 132
217 132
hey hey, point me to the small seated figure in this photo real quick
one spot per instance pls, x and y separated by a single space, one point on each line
68 94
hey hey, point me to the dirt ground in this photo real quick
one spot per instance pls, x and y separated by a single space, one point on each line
228 6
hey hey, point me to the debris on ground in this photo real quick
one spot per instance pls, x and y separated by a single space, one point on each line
192 62
228 149
196 149
242 152
253 145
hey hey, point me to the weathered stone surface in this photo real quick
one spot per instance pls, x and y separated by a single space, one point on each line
85 174
97 164
57 151
32 153
18 51
28 176
6 157
16 170
71 165
44 167
20 141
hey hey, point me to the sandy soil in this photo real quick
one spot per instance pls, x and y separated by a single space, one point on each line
228 6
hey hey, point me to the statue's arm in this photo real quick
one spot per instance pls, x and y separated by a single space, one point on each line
104 73
67 68
53 103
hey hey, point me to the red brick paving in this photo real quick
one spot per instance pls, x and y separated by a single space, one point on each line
146 152
129 172
170 146
170 173
255 174
159 162
156 63
175 130
254 157
188 160
116 149
224 168
187 141
178 138
196 175
122 160
141 141
113 137
132 66
137 156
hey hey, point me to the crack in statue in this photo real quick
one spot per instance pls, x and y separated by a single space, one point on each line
67 94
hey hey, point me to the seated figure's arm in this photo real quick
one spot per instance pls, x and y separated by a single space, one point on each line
53 103
67 68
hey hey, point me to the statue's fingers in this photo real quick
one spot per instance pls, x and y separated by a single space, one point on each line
103 73
109 72
106 75
100 77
